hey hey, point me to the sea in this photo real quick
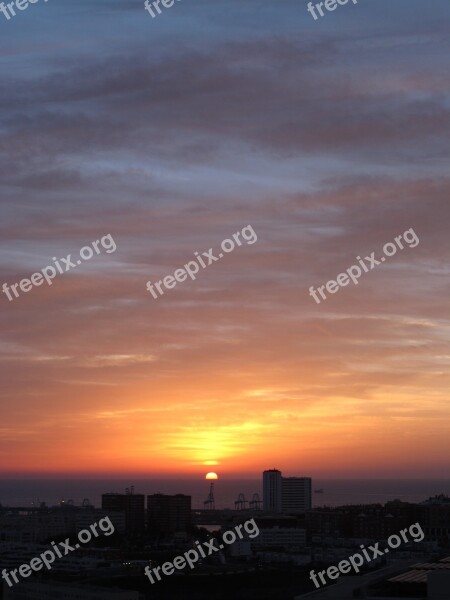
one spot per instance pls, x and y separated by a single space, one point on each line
334 492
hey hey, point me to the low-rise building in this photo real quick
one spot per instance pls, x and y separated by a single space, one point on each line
34 590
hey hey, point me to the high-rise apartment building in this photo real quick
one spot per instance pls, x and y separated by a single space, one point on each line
272 490
295 494
168 514
286 494
132 505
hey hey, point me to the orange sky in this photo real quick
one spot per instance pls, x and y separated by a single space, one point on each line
216 376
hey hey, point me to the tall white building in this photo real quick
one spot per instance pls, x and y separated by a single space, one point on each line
272 490
286 494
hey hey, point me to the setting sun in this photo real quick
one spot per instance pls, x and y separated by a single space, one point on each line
211 476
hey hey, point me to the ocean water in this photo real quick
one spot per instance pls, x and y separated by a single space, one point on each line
25 492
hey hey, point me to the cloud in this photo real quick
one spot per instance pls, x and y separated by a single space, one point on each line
308 136
118 360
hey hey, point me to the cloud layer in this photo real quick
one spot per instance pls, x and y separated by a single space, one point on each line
172 134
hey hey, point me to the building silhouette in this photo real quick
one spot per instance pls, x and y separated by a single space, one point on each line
287 495
272 490
168 514
295 494
132 505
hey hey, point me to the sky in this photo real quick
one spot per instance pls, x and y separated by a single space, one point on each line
329 138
